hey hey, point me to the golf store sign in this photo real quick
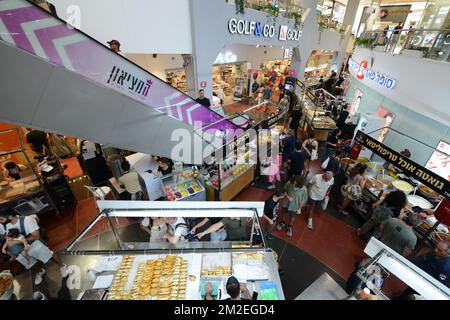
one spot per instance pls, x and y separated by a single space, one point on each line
258 29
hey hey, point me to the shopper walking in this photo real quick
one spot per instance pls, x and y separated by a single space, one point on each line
296 198
202 99
267 93
271 211
311 147
294 120
296 161
114 45
319 188
288 145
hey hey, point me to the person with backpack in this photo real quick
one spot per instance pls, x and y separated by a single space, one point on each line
177 230
391 206
352 191
28 226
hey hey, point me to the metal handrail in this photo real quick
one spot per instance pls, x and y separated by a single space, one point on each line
434 43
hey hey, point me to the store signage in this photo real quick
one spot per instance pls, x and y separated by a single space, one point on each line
409 167
126 80
439 161
224 58
203 84
292 73
256 28
287 53
362 72
274 119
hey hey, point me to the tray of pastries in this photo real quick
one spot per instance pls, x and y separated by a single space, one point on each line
118 290
216 265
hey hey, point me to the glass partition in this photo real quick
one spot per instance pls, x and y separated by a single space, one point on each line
170 229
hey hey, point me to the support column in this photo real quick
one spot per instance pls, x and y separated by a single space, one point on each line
189 69
350 12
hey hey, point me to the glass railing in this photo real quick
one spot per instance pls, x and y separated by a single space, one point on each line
325 22
429 43
290 9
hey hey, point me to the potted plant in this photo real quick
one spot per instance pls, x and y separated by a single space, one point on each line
272 11
240 6
297 18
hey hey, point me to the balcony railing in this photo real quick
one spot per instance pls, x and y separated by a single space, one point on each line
432 43
325 22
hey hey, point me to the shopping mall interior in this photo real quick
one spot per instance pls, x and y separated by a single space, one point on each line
242 149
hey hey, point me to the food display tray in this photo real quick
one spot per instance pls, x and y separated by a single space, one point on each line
216 262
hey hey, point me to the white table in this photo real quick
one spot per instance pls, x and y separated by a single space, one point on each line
141 163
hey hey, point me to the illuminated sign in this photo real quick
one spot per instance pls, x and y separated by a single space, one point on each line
256 28
227 57
362 72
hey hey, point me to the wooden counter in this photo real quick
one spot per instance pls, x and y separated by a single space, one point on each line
233 189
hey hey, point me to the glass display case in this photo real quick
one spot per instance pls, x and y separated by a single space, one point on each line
134 267
184 186
28 194
231 175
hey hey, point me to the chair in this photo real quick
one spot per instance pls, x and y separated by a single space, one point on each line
100 193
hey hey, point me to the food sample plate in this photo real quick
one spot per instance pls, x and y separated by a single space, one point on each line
417 201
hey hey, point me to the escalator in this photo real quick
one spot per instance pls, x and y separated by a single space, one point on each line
58 79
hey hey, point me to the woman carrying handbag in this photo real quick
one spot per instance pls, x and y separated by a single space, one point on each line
311 146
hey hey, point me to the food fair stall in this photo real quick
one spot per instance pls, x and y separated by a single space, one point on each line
27 195
160 271
235 172
426 192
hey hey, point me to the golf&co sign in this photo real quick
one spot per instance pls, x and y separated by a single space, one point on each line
256 28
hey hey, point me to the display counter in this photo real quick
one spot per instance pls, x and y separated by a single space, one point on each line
159 270
182 276
421 199
25 196
185 187
319 123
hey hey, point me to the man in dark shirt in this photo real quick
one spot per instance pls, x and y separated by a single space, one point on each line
435 263
202 99
343 115
292 98
334 164
297 161
294 121
288 144
38 140
270 211
331 144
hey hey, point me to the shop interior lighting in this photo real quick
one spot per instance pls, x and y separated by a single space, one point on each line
190 213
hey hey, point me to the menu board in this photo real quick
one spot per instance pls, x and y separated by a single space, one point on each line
439 161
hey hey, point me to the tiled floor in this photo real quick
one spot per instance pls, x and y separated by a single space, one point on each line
331 247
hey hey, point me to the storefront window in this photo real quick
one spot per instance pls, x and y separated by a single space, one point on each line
436 15
332 10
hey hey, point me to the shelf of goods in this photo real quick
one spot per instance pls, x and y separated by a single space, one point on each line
230 178
423 201
184 276
184 188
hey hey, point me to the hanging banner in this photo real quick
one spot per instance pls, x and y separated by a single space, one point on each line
409 167
273 120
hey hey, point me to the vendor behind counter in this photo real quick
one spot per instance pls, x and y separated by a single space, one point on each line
13 171
393 170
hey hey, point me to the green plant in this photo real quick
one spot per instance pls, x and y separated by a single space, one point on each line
364 42
322 25
240 6
272 11
297 19
342 32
